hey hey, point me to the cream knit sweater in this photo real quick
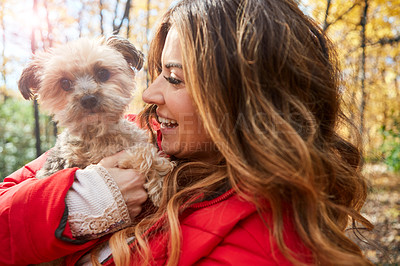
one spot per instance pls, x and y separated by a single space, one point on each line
95 204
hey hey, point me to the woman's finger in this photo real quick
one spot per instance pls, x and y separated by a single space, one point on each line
112 161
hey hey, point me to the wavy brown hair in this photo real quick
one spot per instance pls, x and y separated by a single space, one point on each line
265 81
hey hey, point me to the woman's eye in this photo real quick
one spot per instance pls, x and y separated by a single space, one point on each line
173 80
66 84
103 75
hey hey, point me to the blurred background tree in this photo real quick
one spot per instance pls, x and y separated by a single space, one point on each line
367 34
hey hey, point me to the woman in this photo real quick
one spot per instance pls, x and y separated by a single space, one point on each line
247 95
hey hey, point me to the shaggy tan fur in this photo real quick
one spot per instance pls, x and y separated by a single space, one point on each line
87 85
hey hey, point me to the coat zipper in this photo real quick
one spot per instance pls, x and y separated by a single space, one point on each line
204 204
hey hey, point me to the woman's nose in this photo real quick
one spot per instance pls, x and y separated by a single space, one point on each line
153 94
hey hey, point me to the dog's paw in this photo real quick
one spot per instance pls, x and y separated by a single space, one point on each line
146 159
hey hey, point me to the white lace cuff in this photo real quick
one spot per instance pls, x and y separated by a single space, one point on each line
95 204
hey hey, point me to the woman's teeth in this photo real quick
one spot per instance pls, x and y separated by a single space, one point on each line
167 122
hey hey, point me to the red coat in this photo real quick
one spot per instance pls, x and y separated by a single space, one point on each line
226 230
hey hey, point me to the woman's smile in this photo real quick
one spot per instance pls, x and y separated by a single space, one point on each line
167 123
183 132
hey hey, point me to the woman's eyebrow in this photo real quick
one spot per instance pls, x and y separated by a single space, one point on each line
170 65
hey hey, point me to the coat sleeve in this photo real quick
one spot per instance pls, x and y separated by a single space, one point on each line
33 216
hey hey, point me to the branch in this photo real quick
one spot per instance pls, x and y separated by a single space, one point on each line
126 15
328 6
387 40
327 24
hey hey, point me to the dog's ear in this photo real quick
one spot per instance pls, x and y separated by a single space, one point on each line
29 80
133 56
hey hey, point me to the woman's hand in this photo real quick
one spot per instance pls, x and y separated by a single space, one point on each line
129 181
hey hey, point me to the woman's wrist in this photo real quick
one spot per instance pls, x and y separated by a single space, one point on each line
95 204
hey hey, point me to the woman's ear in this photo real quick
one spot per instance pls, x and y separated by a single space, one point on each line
134 57
29 81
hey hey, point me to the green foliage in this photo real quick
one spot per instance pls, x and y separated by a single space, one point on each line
17 139
391 145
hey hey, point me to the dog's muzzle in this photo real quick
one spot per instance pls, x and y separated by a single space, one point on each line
89 101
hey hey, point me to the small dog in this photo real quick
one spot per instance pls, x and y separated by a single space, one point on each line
87 85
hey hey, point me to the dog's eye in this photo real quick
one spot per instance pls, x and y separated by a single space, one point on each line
66 84
103 75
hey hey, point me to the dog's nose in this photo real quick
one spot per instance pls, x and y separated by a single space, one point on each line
89 101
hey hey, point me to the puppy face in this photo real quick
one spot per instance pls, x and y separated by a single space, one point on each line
84 81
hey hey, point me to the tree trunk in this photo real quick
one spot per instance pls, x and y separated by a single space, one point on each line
115 15
3 91
363 24
50 44
397 89
147 39
101 17
128 20
35 103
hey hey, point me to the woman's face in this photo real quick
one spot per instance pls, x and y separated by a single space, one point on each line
183 133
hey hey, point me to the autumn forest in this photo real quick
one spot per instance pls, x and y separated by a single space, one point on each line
366 33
